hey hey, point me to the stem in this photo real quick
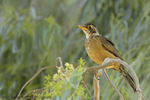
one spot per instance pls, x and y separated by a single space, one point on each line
32 79
121 97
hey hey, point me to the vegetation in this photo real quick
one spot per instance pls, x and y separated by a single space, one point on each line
33 33
66 84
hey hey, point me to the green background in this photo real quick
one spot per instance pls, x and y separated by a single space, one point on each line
33 33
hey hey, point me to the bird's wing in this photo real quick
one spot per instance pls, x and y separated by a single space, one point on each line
110 47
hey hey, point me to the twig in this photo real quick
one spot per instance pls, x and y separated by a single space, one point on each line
143 95
86 76
87 89
26 98
108 62
55 66
111 62
56 61
32 79
61 65
31 91
104 70
138 87
105 73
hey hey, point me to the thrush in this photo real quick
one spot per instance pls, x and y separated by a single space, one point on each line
99 48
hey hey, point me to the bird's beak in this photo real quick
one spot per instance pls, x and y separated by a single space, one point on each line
82 27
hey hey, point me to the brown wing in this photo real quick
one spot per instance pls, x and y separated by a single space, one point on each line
110 47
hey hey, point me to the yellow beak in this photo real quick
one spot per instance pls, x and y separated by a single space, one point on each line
82 27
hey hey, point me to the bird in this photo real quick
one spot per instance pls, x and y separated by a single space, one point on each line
99 48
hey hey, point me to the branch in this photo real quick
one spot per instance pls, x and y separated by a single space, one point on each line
105 73
55 66
56 61
87 89
32 91
96 83
138 87
86 76
104 65
104 70
108 62
32 79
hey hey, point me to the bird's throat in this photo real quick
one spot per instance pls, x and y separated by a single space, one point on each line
92 36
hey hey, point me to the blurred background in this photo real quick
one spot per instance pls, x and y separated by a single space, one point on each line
33 33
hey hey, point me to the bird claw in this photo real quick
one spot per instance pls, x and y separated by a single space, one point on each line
98 73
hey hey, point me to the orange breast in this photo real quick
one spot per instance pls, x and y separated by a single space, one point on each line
96 51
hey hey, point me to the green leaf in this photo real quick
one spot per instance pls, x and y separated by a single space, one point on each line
57 98
76 78
65 95
78 97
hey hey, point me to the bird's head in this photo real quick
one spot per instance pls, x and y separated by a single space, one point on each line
89 29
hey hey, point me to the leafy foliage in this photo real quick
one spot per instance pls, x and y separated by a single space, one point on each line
66 84
33 33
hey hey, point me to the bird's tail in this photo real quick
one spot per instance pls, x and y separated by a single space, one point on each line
128 78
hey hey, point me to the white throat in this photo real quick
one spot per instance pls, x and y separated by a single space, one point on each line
88 34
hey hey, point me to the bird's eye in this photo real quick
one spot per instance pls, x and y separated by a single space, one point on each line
89 27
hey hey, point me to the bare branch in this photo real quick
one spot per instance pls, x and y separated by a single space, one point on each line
108 62
100 66
96 83
32 91
32 79
86 76
104 70
87 89
56 61
55 66
138 87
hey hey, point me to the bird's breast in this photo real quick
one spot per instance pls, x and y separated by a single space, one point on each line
95 50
